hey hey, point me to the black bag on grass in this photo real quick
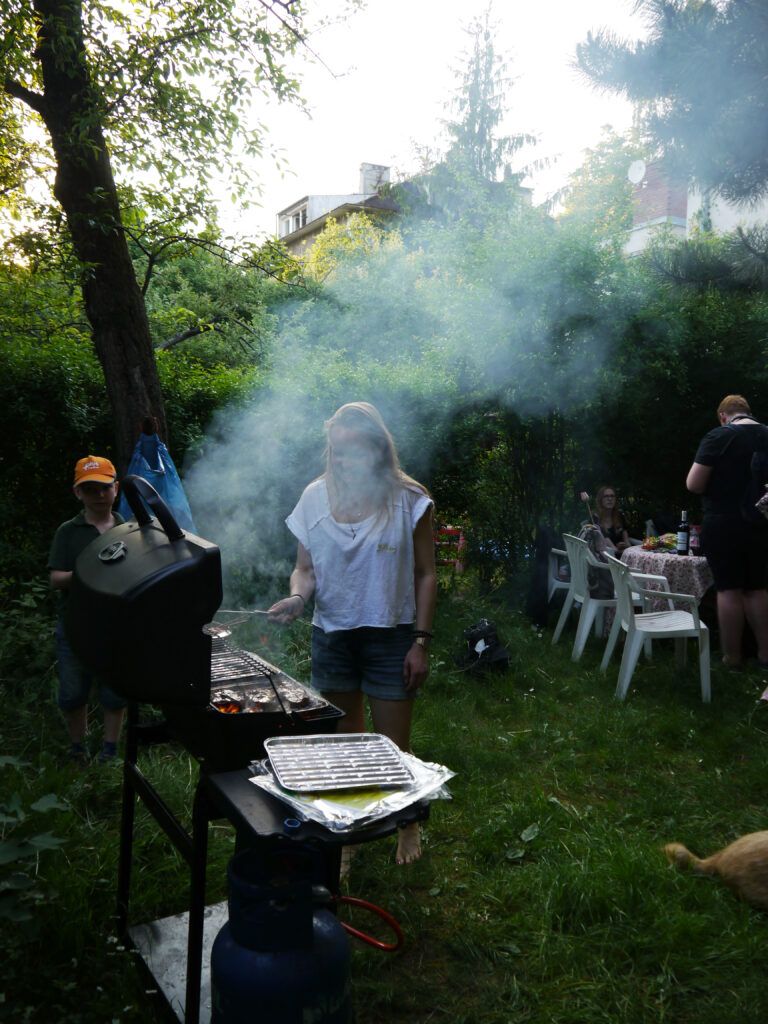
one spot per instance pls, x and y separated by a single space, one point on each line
484 649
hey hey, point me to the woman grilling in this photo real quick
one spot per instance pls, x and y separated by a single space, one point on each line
366 550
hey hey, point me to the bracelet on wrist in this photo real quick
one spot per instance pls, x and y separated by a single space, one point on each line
423 632
303 602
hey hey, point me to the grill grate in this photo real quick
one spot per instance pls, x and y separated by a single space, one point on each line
229 664
241 681
341 761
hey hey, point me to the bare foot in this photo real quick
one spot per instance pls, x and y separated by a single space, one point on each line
732 666
408 844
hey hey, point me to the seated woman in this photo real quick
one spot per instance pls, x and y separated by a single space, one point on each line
611 521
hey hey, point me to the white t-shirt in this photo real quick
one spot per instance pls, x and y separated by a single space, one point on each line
364 572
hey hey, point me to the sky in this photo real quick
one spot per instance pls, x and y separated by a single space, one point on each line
386 79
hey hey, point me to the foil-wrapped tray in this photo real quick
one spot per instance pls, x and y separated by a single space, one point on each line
336 761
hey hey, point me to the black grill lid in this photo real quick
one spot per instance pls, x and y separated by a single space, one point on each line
140 596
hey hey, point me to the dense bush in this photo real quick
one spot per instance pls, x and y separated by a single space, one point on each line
54 410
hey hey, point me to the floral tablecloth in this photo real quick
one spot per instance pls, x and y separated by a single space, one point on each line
687 574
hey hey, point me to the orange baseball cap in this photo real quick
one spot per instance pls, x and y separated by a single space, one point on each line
92 467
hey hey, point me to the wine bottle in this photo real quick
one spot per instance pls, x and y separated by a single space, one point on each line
683 534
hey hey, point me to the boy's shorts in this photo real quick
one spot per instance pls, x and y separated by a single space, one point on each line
369 659
75 682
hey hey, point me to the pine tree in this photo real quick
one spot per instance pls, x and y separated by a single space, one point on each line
700 84
480 104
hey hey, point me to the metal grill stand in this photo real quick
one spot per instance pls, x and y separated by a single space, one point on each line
258 819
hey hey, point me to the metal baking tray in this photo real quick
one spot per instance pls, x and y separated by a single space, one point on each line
360 760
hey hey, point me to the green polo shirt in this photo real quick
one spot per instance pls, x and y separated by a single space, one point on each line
69 540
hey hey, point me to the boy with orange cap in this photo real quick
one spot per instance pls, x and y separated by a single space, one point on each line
96 487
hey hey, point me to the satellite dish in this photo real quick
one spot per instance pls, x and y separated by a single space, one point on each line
636 171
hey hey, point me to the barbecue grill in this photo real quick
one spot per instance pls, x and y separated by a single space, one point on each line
141 599
250 701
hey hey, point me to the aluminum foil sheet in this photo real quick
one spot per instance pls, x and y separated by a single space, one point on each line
346 810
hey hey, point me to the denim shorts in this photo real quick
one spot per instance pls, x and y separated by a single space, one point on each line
75 682
369 659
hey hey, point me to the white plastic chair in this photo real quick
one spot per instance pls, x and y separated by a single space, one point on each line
554 564
592 610
647 626
639 600
579 592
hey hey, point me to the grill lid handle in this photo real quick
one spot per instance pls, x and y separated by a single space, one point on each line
135 488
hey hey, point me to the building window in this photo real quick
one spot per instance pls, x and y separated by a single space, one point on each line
293 221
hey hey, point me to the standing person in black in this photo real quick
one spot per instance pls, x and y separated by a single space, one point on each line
736 550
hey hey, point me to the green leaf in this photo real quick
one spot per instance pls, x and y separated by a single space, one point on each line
49 802
17 881
530 833
46 841
510 947
14 849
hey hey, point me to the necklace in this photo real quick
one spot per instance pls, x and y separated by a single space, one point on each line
359 514
350 509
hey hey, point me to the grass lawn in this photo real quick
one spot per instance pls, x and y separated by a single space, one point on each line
542 895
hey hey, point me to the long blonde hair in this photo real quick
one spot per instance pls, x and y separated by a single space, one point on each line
365 419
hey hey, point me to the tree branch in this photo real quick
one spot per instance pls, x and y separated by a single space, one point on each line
760 255
193 332
32 99
222 252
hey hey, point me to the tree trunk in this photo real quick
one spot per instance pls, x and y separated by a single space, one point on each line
85 188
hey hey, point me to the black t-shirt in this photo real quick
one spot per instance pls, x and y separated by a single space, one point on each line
614 533
729 451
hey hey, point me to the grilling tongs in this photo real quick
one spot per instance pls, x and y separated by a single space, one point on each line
221 630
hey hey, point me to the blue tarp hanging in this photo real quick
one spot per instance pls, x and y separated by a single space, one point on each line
152 460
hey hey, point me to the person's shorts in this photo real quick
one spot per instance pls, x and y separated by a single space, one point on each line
737 552
75 683
369 659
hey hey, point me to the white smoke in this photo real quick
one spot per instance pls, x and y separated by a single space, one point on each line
415 329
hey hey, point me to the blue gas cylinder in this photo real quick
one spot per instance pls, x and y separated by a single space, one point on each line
282 957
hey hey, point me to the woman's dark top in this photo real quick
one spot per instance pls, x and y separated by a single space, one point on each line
614 533
729 451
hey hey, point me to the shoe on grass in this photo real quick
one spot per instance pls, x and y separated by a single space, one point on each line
110 759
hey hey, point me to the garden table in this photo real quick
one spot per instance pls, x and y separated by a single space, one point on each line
687 574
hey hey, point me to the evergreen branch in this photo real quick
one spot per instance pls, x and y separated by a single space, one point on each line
760 254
